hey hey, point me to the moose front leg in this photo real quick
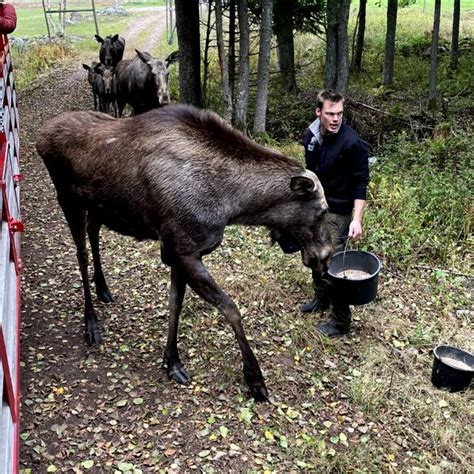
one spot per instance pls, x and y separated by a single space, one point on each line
76 218
171 357
199 279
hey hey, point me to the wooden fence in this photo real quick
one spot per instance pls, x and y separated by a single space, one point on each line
10 266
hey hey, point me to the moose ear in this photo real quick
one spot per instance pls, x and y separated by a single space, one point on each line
115 38
144 56
86 67
301 185
99 38
172 58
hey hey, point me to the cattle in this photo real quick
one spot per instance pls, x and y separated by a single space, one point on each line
179 175
111 49
142 82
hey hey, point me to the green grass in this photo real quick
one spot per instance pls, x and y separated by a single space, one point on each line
31 21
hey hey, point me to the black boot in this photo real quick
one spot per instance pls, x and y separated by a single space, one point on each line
333 328
315 305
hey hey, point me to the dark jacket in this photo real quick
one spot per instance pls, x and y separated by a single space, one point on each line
341 163
7 18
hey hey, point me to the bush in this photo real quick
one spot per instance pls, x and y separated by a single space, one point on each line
420 207
29 64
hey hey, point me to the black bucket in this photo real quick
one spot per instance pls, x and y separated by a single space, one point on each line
453 368
355 292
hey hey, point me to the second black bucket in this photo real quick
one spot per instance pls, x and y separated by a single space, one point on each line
453 368
355 292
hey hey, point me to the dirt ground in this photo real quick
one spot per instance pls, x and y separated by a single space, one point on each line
112 409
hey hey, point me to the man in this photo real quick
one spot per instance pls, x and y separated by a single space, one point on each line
339 157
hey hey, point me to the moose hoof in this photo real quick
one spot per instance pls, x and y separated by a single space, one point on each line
178 374
105 296
93 337
259 392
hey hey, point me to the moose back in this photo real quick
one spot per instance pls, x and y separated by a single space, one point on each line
179 175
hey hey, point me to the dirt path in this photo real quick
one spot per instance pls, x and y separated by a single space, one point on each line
153 24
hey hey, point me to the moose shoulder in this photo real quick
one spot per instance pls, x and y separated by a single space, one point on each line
179 175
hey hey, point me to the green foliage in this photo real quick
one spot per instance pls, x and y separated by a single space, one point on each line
420 201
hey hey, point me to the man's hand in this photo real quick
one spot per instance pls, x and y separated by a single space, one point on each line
355 230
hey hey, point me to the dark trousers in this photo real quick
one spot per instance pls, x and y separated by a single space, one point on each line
322 284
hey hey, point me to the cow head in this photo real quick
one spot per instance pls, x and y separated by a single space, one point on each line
159 71
301 223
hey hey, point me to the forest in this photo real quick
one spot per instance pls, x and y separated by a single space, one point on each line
360 403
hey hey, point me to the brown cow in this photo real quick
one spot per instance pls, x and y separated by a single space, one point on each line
179 175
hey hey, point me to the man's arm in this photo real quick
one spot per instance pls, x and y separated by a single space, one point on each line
7 18
355 228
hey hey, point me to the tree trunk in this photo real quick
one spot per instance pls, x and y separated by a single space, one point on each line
243 83
187 26
336 70
330 68
263 67
392 10
283 26
455 35
226 90
343 47
434 56
206 53
359 47
231 51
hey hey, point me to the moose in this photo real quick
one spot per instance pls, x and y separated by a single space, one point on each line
92 79
179 175
104 86
142 82
111 49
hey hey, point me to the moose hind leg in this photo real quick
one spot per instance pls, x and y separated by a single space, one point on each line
101 288
76 218
171 358
199 279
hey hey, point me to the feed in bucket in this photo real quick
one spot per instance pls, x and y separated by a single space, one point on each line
355 275
453 368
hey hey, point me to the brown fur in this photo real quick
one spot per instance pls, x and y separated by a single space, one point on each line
180 175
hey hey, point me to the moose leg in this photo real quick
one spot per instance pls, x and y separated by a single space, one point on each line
199 279
93 229
171 357
76 218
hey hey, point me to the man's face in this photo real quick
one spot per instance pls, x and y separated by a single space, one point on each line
331 116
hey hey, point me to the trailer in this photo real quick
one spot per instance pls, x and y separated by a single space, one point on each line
10 265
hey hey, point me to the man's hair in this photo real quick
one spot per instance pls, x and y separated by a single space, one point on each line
329 95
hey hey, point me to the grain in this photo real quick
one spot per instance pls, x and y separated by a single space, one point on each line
455 363
351 274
